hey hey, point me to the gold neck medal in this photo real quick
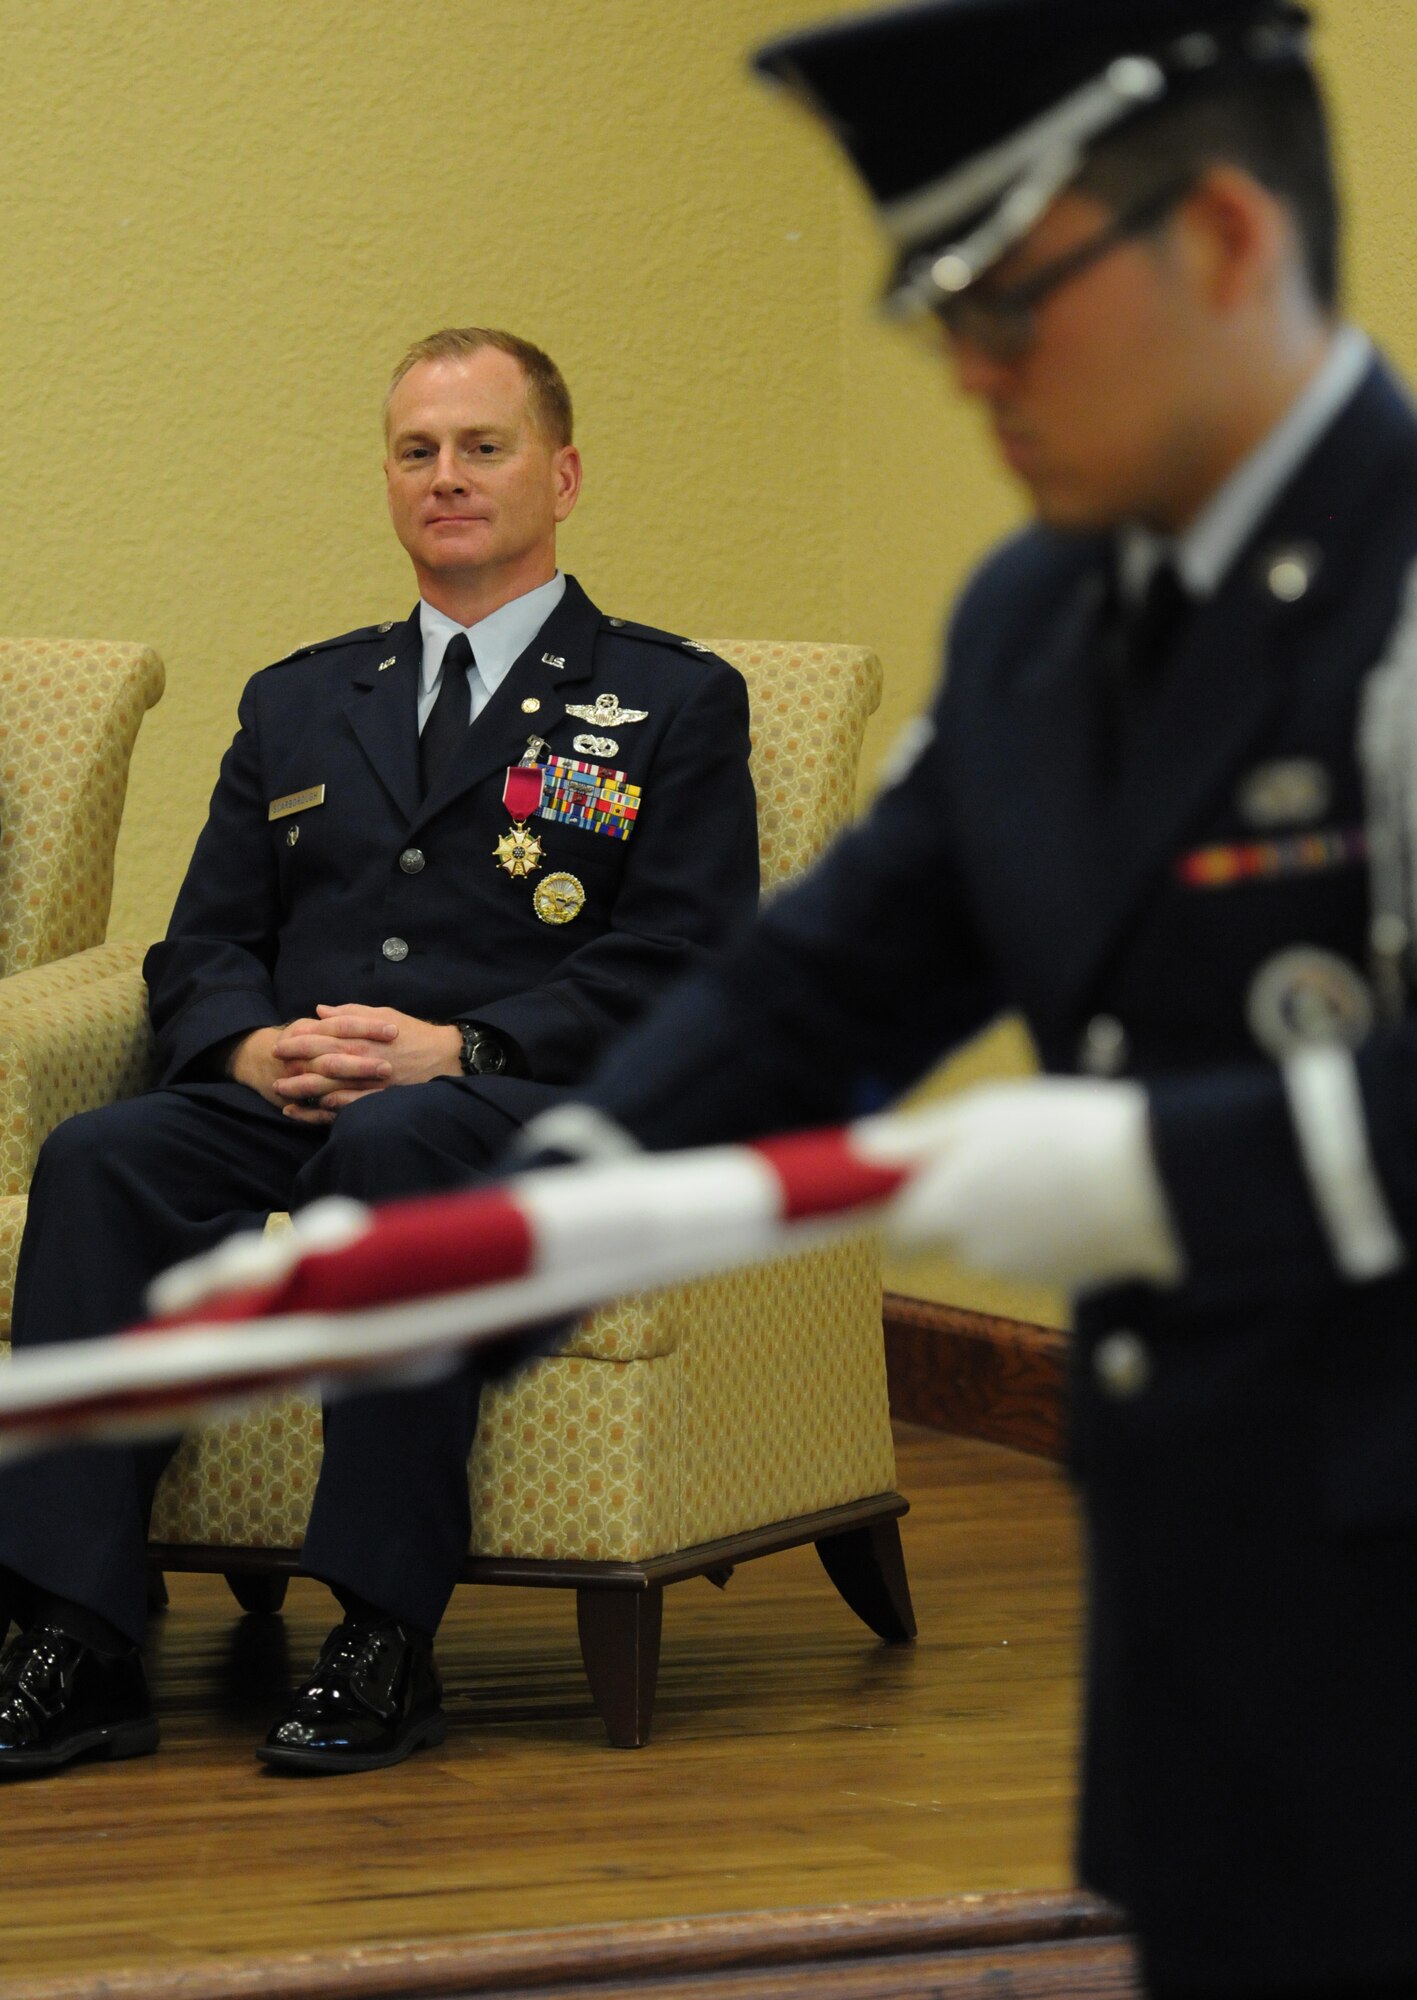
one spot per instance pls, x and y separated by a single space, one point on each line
518 851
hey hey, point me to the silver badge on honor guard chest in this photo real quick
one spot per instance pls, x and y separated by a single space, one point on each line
1306 995
1291 791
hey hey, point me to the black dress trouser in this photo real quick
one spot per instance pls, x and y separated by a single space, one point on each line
121 1193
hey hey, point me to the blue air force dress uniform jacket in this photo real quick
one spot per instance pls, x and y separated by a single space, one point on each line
322 876
1247 1442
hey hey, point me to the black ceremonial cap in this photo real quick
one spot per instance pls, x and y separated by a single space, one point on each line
966 117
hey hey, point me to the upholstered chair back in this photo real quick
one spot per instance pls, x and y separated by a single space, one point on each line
69 714
72 1026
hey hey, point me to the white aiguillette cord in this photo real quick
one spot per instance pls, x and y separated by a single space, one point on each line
1387 753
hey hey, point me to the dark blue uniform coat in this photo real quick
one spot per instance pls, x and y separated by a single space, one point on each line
372 896
375 897
1250 1785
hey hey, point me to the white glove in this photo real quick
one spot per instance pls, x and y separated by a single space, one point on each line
1052 1181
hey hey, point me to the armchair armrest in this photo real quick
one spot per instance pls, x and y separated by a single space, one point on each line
74 1034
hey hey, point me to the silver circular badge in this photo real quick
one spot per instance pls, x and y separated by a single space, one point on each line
1292 791
1305 995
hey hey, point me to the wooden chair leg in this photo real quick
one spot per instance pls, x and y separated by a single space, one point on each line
259 1591
619 1632
868 1568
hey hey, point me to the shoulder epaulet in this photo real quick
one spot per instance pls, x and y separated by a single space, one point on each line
360 635
625 628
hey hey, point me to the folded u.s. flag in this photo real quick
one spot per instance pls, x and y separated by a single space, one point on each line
401 1292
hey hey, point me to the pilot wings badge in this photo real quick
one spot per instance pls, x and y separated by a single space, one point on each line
605 711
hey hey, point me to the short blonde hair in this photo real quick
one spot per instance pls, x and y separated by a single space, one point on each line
547 395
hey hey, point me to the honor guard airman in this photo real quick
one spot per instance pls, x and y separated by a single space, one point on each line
1164 805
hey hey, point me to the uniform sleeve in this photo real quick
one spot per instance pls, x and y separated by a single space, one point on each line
849 988
210 978
688 891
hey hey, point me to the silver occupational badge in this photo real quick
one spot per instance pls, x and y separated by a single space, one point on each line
605 711
1293 791
1305 995
596 746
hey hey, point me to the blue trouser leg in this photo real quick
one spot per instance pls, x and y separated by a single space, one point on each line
117 1195
390 1520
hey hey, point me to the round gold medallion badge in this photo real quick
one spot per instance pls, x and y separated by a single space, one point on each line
558 898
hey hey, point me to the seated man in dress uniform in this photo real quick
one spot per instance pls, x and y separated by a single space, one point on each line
1164 806
445 861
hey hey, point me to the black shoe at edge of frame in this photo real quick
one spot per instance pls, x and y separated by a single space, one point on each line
61 1699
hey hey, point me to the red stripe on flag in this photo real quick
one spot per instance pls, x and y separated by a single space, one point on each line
822 1175
411 1250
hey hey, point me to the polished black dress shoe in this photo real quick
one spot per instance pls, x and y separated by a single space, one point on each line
60 1699
374 1696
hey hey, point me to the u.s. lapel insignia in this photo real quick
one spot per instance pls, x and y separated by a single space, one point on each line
595 746
1292 791
605 711
384 665
552 660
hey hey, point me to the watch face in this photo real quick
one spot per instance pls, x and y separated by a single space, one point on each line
482 1054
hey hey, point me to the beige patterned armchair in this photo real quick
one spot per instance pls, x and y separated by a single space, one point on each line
72 1020
680 1433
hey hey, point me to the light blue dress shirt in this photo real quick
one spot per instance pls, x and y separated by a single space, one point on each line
497 642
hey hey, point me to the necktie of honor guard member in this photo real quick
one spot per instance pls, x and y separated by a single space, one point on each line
445 731
1155 625
1147 636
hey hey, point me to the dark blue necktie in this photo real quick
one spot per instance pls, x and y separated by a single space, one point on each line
445 731
1145 637
1154 627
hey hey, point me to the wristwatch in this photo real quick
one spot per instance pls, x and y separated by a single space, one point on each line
482 1053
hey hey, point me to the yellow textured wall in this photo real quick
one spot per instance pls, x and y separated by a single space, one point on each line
223 222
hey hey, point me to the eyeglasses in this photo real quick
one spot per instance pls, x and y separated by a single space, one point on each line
1004 323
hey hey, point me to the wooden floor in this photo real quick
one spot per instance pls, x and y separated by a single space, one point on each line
795 1761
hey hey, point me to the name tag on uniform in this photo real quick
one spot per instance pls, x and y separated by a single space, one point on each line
589 796
294 802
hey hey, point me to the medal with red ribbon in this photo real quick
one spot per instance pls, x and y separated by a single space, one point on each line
518 851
